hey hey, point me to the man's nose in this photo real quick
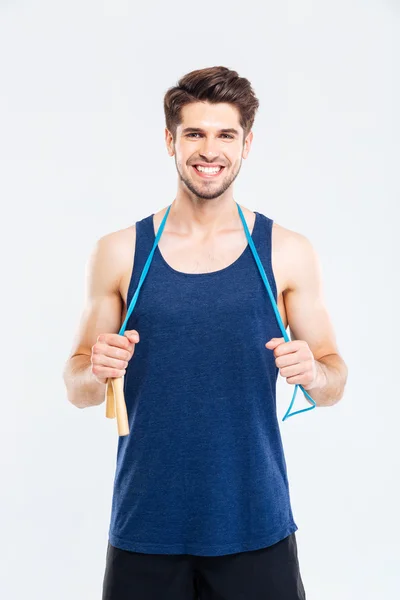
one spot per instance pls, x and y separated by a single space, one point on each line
209 149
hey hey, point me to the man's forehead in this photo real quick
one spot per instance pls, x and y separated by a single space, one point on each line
210 116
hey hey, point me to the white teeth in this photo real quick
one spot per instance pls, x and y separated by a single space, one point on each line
208 169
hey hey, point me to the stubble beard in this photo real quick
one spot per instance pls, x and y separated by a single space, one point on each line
200 191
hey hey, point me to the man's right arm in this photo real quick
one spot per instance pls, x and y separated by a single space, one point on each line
102 314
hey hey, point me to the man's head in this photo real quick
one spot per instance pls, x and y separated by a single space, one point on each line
209 116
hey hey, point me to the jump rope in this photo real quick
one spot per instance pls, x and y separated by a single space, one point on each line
115 400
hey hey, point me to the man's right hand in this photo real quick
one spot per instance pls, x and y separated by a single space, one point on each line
111 354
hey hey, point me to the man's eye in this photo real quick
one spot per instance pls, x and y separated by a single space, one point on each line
225 134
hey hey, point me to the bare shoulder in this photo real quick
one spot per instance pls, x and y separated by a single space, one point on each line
117 243
117 254
289 241
292 254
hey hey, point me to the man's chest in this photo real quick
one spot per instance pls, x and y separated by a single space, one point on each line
210 257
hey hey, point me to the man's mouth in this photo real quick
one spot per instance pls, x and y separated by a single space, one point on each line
208 172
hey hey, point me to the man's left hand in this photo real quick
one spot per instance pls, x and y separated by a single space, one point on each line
295 361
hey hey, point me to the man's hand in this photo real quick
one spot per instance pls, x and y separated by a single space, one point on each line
112 353
296 362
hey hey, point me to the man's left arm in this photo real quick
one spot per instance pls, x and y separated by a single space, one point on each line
311 359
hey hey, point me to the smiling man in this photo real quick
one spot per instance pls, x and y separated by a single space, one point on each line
201 505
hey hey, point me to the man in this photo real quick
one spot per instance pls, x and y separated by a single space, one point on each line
201 505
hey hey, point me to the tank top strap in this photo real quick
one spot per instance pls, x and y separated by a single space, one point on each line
143 246
262 238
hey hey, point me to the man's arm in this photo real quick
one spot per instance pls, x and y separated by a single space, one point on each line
102 314
309 321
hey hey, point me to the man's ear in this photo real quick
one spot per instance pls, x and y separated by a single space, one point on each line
247 145
169 141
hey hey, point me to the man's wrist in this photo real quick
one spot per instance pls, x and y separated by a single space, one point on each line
320 379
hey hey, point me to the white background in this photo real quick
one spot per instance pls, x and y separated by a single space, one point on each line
82 153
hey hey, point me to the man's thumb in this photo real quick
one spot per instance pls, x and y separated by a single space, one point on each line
132 335
273 342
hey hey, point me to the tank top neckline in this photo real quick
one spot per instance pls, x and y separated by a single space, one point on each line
207 274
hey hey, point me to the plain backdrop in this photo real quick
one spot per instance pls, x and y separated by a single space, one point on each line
82 153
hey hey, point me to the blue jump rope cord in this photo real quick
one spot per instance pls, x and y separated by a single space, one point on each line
266 283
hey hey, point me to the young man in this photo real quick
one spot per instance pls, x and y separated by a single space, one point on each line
201 505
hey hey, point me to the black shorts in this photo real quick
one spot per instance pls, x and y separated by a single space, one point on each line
270 573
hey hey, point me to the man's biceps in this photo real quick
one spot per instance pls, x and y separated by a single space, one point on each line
100 316
313 325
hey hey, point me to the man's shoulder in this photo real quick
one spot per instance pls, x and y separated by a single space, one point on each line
289 240
117 240
293 253
117 248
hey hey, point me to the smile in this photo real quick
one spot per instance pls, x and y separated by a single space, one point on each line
208 172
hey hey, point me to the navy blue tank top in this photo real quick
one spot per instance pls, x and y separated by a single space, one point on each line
202 470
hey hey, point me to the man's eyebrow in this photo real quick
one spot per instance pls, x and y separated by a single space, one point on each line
199 130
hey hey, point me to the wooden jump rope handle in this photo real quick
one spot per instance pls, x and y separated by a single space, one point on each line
115 404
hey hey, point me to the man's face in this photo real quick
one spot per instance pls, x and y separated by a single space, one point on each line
200 140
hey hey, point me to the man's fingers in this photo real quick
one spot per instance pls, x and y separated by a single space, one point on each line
120 341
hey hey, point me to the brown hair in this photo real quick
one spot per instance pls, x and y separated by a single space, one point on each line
212 84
